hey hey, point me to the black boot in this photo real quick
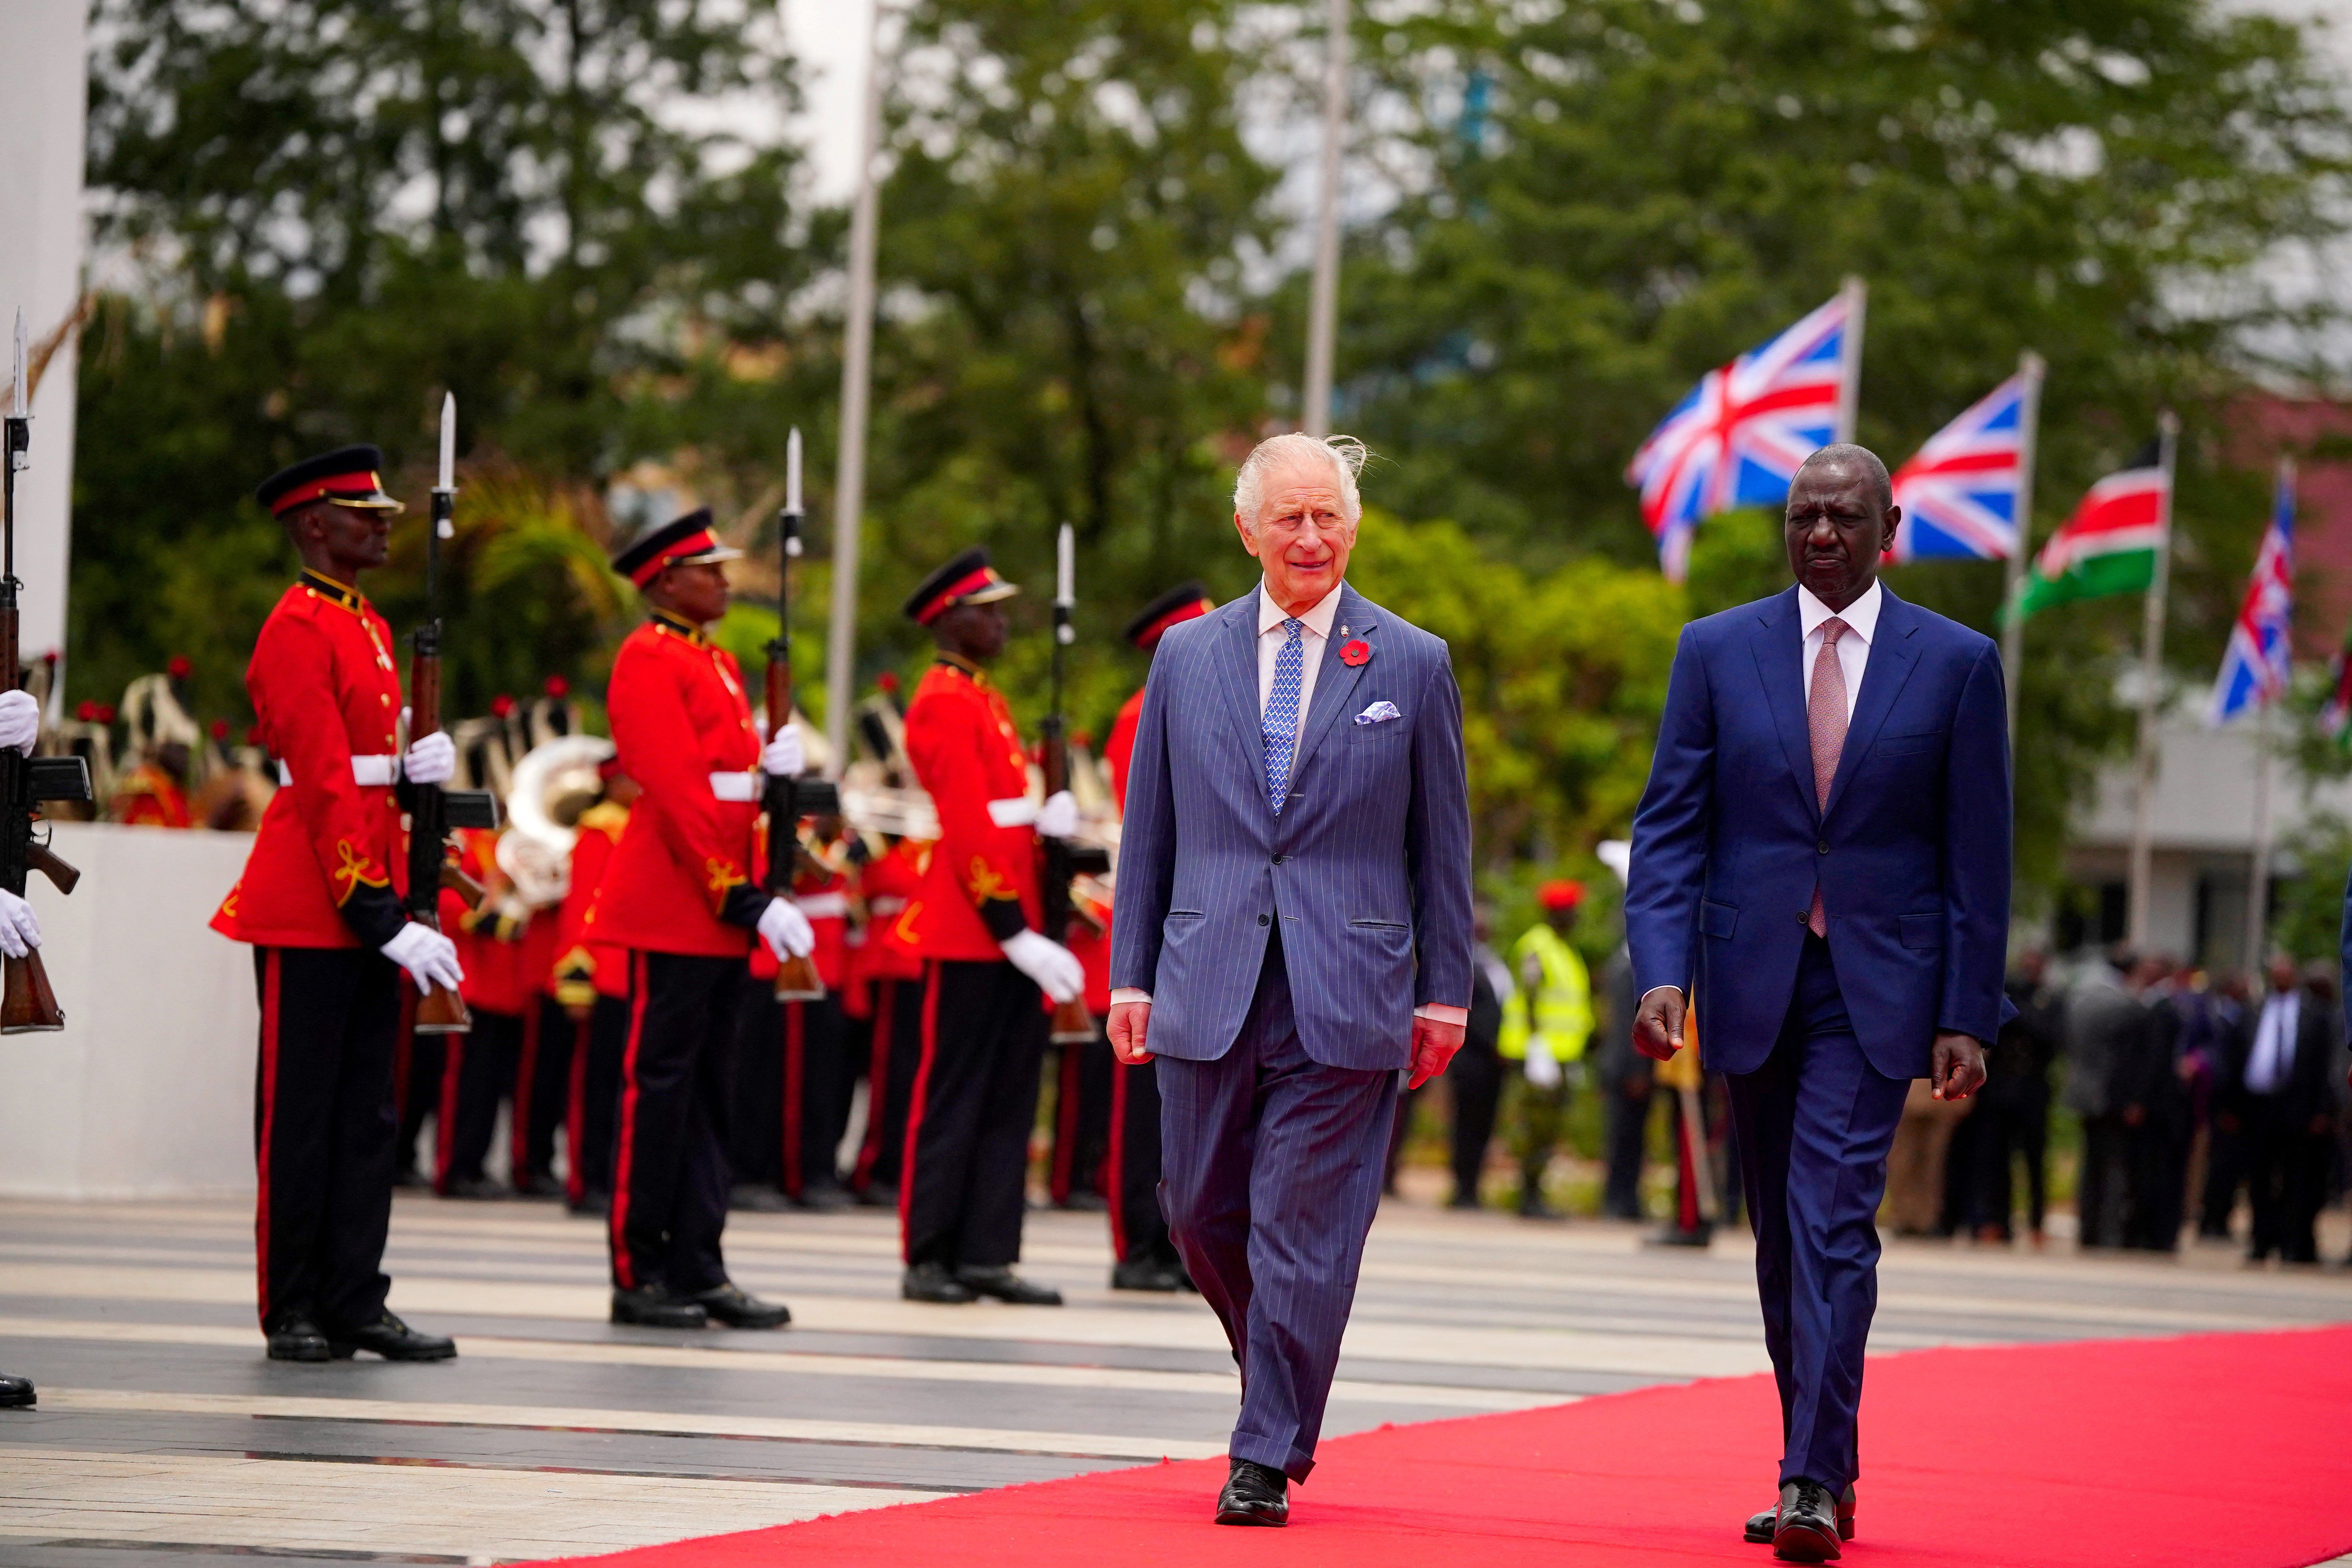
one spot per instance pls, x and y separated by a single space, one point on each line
730 1304
933 1282
657 1306
297 1338
1006 1286
392 1339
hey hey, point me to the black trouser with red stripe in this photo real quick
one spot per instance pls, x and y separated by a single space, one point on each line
895 1050
542 1091
1082 1113
968 1121
593 1106
477 1072
1139 1231
677 1072
792 1091
323 1126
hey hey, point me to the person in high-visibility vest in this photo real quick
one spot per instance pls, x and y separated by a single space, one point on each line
1546 1023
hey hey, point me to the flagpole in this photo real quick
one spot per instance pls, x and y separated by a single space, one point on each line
2013 632
856 384
2151 696
1323 304
2258 879
1849 408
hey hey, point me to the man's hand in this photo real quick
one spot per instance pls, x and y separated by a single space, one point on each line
785 757
19 932
1658 1024
1435 1041
1130 1028
430 958
786 930
431 760
20 724
1958 1070
1055 968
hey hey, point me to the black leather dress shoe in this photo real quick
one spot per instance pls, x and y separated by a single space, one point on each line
1255 1494
1147 1274
933 1282
747 1198
657 1306
392 1339
297 1338
1806 1529
15 1393
1006 1286
738 1309
1761 1525
825 1197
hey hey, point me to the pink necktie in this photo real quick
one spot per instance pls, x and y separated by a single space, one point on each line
1825 722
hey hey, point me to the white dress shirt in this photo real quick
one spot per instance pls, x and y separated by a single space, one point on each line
1314 635
1860 619
2273 1054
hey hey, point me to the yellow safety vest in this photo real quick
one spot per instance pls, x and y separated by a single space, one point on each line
1562 1004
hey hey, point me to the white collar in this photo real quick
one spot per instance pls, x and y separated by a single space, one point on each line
1860 617
1319 619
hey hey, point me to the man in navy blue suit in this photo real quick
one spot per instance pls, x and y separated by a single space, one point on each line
1821 865
1291 937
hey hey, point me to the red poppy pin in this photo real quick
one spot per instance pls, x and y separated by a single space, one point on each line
1355 653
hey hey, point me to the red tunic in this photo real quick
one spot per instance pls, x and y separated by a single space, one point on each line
680 879
982 886
892 887
489 944
1121 749
600 829
328 864
149 796
824 899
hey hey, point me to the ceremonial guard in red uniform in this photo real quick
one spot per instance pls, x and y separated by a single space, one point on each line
795 1073
679 897
1138 1232
963 1188
320 903
890 964
591 985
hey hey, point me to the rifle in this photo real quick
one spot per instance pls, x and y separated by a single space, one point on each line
27 1005
787 800
1065 859
431 810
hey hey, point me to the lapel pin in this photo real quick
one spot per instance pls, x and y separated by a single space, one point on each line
1355 653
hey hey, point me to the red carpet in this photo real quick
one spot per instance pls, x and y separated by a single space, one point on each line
2225 1451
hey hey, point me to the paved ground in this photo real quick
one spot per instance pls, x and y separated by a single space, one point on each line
164 1436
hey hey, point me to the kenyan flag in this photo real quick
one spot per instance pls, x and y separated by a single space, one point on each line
2108 546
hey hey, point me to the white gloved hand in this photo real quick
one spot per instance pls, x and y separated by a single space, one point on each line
430 958
786 930
20 721
432 760
19 932
1058 817
786 757
1055 968
1541 1067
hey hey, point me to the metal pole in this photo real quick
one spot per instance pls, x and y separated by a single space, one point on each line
856 384
2258 882
1323 307
2151 696
2012 631
1857 298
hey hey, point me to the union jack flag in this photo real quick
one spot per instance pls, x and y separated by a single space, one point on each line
1960 492
1745 428
2256 668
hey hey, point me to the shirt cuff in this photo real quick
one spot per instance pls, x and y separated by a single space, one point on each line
1653 990
1439 1013
1131 994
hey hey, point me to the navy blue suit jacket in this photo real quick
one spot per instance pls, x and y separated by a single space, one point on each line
1368 867
1912 854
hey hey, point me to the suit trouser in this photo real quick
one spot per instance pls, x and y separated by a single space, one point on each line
592 1108
478 1071
894 1052
1272 1168
1628 1136
323 1126
1474 1079
669 1175
2102 1187
792 1076
966 1175
2286 1173
1139 1231
1082 1095
1814 1126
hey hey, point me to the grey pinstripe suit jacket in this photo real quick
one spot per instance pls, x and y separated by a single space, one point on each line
1368 867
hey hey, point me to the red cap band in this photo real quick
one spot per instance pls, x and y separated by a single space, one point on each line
956 590
302 495
701 543
1175 617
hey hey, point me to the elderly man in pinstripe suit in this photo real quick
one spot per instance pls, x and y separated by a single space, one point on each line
1292 936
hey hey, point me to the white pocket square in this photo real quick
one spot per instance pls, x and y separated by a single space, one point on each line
1379 713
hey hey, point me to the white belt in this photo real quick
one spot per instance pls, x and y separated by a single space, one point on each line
381 771
1018 812
824 905
736 787
888 904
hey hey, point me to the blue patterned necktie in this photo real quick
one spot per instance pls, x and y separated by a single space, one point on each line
1279 727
